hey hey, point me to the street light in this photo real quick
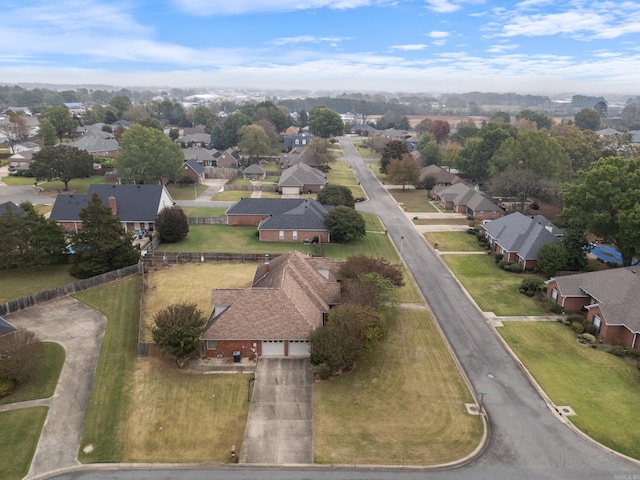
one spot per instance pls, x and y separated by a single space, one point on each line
401 245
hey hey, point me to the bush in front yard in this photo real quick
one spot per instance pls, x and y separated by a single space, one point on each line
618 351
499 257
530 284
587 338
577 318
577 327
592 329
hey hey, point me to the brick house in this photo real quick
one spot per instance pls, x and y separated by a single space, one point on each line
193 170
289 298
443 177
610 298
301 178
463 199
136 206
282 219
519 237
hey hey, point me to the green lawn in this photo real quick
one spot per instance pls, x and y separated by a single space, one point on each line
602 389
231 195
403 404
20 434
22 282
493 289
187 192
43 376
77 185
412 200
341 174
442 221
111 393
204 211
453 241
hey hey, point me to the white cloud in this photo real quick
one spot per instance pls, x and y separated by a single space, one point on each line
438 34
239 7
411 47
307 39
501 48
553 24
442 6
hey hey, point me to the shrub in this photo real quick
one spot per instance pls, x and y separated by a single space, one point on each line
530 284
618 351
529 293
587 338
471 231
6 386
502 263
499 257
577 327
480 236
592 329
633 353
513 267
577 318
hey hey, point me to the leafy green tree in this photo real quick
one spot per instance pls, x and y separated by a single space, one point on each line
464 131
405 171
587 119
539 119
231 129
203 115
317 153
147 155
177 330
427 183
60 118
521 183
575 245
12 238
172 225
357 265
43 241
61 162
474 157
582 146
551 258
345 224
605 202
150 122
325 123
47 133
121 103
601 108
336 195
303 118
395 149
500 117
254 142
102 244
430 153
271 112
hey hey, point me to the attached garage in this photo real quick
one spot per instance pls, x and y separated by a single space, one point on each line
288 192
273 348
299 348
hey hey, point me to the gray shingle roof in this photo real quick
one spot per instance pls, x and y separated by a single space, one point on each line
522 234
309 215
195 166
93 144
300 175
6 327
254 169
264 206
200 154
616 290
11 207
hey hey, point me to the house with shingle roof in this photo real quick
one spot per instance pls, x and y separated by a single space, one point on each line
10 207
443 177
136 206
196 140
253 172
463 199
519 237
203 156
97 145
193 170
289 298
611 299
296 140
282 219
301 178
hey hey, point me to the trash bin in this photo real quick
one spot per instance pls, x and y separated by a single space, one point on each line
237 356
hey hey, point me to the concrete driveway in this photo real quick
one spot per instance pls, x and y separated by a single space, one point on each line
79 329
280 424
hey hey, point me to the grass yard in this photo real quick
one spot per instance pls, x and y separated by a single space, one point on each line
76 185
373 244
22 282
190 282
403 404
204 211
341 174
412 200
229 239
602 389
454 241
187 417
231 195
493 289
111 394
20 434
442 221
43 376
187 192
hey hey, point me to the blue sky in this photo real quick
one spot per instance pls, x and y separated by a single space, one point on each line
431 46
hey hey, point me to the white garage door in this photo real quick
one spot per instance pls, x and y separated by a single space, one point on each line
273 348
290 192
298 348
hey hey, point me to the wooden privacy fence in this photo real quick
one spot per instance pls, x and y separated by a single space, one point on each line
156 258
68 289
207 220
252 188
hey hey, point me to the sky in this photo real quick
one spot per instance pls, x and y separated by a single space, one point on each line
422 46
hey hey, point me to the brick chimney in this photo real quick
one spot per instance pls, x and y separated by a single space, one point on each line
266 264
113 206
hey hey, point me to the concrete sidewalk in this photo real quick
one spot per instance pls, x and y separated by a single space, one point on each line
280 423
80 330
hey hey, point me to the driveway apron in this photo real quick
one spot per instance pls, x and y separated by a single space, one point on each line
79 329
280 423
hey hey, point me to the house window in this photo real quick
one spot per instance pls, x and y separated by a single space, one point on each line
295 234
554 294
597 321
281 236
212 344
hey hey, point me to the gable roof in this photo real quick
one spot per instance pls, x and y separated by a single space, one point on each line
196 137
198 154
264 206
195 166
5 327
254 169
95 143
461 195
287 301
11 207
441 175
616 290
522 234
300 175
308 215
134 203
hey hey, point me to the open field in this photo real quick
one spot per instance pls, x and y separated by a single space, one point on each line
412 200
190 282
20 433
188 417
601 388
454 241
493 289
22 282
378 413
111 392
43 376
187 192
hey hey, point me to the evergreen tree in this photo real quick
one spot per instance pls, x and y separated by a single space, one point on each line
172 225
